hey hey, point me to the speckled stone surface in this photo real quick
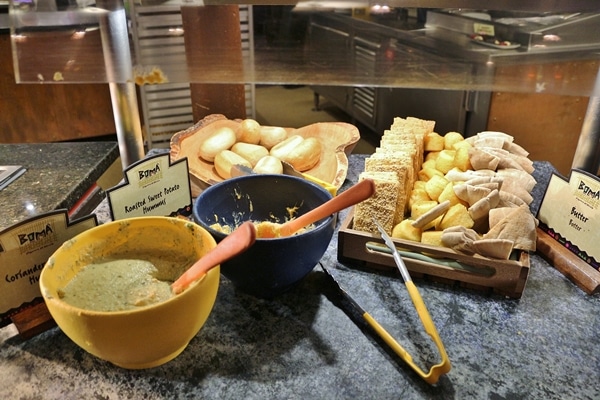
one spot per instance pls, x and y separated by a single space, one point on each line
307 344
58 174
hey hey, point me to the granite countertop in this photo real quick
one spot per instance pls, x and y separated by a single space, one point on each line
57 176
308 344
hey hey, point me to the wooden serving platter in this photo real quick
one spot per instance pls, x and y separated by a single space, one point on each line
338 139
439 264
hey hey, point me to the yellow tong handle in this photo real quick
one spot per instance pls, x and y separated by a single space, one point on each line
328 186
437 370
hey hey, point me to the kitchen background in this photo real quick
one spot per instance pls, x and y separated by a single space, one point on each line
549 129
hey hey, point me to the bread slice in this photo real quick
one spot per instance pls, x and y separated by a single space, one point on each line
417 127
401 165
427 125
394 168
407 156
382 205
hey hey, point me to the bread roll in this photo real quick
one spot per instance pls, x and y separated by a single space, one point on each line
268 165
227 159
433 142
431 215
284 147
221 139
272 135
456 215
404 230
432 238
302 154
248 132
251 152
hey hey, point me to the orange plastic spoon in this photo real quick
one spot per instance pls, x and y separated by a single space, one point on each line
235 243
357 193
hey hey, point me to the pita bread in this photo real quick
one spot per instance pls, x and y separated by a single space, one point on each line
481 159
498 214
496 142
460 239
508 199
518 226
505 136
471 194
521 177
516 149
491 181
494 248
482 207
456 175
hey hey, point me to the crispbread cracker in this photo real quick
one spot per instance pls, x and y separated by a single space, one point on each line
399 164
401 153
381 205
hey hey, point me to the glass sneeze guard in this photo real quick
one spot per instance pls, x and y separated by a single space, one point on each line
54 44
80 42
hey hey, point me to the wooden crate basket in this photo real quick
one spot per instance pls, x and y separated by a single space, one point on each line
504 277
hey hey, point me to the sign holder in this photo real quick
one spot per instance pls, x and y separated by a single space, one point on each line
569 218
24 250
152 187
33 320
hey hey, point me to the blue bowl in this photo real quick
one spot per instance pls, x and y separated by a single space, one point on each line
270 266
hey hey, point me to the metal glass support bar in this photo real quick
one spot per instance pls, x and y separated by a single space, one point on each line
119 70
587 153
127 122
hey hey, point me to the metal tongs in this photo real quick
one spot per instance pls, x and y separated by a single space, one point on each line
438 369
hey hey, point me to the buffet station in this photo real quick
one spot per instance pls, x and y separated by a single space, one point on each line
514 52
252 261
382 275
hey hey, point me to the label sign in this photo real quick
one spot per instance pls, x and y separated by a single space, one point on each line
570 213
153 187
483 29
24 249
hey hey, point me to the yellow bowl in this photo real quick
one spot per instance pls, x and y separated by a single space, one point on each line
145 337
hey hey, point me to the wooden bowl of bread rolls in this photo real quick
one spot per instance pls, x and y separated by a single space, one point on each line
215 143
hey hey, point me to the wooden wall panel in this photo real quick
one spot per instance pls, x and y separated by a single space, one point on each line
50 112
212 37
547 125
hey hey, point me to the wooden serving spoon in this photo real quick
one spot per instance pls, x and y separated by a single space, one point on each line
357 193
233 244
